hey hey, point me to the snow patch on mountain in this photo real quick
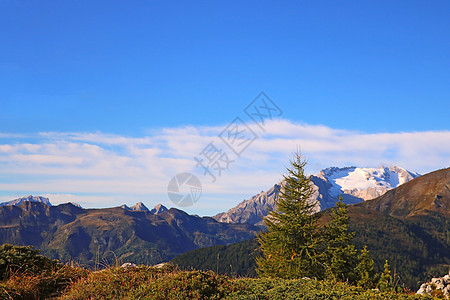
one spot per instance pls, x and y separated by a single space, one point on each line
353 180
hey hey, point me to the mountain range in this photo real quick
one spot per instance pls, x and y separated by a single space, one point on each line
353 184
137 207
88 236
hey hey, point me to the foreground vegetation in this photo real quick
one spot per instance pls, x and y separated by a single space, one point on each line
145 282
27 275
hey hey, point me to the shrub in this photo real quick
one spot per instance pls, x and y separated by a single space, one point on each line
186 285
114 282
42 286
311 289
145 282
23 259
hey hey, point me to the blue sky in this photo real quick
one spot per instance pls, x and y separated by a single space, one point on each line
140 72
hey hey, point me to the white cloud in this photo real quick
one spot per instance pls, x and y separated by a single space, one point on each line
105 167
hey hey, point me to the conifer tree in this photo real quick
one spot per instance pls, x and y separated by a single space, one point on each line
340 256
290 244
385 283
364 272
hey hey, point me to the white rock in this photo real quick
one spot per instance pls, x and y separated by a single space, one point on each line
128 265
446 291
446 279
438 282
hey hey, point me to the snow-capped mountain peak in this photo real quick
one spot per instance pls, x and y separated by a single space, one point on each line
30 198
365 183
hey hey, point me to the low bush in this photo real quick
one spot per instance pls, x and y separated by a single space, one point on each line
23 259
145 282
265 288
40 286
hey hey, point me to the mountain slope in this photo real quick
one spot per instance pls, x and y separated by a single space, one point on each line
70 233
409 226
354 184
251 211
422 196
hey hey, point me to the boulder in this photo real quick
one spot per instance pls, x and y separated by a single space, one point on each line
437 283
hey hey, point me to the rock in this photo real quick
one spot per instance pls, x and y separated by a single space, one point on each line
128 265
159 266
435 284
433 280
422 288
446 291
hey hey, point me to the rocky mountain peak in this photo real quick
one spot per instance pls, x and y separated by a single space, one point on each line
139 207
75 204
159 208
